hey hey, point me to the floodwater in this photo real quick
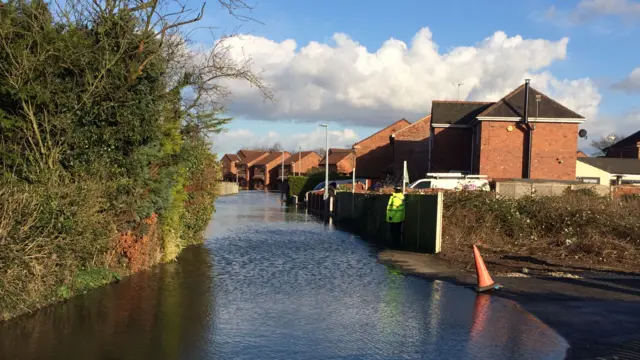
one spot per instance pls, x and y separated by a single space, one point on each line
272 283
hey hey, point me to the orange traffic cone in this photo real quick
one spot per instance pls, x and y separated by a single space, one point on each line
484 279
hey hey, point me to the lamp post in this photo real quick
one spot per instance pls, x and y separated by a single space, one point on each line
326 162
353 180
299 158
282 176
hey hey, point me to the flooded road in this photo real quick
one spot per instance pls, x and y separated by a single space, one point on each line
275 284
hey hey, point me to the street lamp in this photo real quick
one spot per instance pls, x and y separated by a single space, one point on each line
353 181
299 158
326 161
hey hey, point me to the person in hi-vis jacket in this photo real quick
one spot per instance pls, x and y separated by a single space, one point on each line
395 215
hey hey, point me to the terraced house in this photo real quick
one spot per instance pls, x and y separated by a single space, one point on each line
243 167
266 172
341 161
301 163
229 171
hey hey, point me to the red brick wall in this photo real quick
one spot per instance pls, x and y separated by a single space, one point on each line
374 153
503 153
412 145
620 191
345 166
451 149
306 163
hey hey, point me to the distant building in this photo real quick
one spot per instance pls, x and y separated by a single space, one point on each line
229 170
608 171
628 147
300 163
340 161
247 159
266 172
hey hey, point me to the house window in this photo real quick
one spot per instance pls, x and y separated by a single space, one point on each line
630 182
589 180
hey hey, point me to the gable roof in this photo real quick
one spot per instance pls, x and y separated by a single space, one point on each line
426 118
512 105
631 140
248 157
402 122
445 112
274 155
300 155
614 165
581 154
231 157
336 155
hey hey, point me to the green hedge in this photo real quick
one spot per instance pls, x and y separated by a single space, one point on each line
300 185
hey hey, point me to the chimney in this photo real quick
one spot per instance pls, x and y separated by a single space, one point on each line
529 129
526 101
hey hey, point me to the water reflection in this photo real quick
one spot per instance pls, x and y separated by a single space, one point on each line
272 283
159 314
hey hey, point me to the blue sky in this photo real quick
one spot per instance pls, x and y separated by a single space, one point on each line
599 51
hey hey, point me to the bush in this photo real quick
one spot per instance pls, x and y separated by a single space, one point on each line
577 225
300 185
105 168
51 234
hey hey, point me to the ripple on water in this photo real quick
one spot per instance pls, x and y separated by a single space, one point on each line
270 283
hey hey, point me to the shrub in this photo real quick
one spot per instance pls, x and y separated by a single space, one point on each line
51 234
298 186
576 224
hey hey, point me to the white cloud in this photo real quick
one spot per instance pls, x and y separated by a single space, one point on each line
347 83
590 9
605 14
631 84
625 124
231 141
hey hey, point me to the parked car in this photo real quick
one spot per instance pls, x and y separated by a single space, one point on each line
333 185
452 181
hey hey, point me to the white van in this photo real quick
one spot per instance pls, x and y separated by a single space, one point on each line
452 181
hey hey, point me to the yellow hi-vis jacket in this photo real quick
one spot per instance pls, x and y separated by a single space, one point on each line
395 208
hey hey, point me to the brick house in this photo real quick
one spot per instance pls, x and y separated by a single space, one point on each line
247 159
300 163
628 147
340 161
494 139
374 155
383 153
411 144
229 162
265 172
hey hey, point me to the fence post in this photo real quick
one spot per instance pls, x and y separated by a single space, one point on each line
438 245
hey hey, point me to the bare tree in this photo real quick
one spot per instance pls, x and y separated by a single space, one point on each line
604 142
320 151
274 147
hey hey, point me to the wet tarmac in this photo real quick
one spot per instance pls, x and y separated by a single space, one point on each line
274 283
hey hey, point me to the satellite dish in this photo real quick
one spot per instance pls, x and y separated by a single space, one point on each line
582 133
